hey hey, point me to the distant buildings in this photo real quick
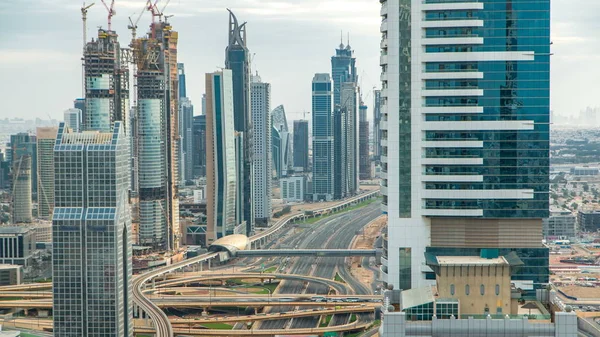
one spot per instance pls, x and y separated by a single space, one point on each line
364 156
23 158
322 138
91 247
73 118
465 158
17 245
281 142
46 137
237 59
588 221
10 274
158 136
300 145
186 125
221 160
561 224
293 188
199 137
376 125
260 103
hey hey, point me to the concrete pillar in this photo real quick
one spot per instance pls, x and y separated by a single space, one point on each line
201 263
204 312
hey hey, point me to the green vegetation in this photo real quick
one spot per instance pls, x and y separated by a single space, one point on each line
354 334
338 278
325 322
284 211
25 334
10 298
219 326
270 269
351 208
353 318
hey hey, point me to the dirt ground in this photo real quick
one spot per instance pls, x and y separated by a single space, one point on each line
366 241
581 292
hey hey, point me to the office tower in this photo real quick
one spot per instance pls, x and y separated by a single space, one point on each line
376 124
237 59
157 136
221 163
21 190
349 97
79 103
46 137
91 229
199 155
364 158
464 160
186 121
203 104
106 83
300 145
260 103
340 168
322 138
186 124
72 118
281 139
343 70
23 163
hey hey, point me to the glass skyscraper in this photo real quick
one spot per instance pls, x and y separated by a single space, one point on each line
300 145
91 231
322 137
221 163
237 59
464 131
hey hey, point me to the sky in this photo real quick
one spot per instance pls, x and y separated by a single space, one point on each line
290 40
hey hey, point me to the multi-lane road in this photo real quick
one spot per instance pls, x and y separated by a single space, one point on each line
335 232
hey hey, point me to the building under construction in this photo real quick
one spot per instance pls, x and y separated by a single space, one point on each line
157 136
106 83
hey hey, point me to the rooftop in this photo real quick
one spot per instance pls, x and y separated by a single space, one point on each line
416 296
470 260
14 230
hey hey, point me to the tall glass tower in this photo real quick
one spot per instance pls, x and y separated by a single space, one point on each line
237 59
221 163
464 133
91 231
322 121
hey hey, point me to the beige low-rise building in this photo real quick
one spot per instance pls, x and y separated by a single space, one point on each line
482 285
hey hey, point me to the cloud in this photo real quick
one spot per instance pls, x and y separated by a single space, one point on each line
11 57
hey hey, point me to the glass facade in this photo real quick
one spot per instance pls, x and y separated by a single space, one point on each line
322 137
91 228
515 157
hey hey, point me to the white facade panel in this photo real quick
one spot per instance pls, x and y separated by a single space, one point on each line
452 92
454 143
453 212
479 125
453 75
450 6
452 40
478 194
452 23
452 110
479 56
452 161
453 178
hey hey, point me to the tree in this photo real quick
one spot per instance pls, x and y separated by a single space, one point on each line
574 205
586 187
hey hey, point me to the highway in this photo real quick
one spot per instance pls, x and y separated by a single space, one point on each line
334 232
160 319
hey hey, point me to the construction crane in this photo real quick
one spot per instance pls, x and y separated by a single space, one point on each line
133 25
111 12
84 10
152 8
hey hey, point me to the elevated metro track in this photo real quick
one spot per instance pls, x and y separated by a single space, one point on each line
307 252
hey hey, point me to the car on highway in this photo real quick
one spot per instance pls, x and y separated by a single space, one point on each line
318 299
352 299
286 299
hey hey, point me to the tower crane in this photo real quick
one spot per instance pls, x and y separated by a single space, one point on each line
111 11
84 10
133 25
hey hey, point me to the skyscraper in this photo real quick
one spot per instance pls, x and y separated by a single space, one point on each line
322 138
282 151
300 145
345 98
157 136
237 59
72 118
91 229
106 83
46 137
260 103
23 157
364 157
199 155
220 157
186 124
79 103
376 125
340 156
464 159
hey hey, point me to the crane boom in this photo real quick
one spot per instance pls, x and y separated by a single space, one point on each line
111 11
